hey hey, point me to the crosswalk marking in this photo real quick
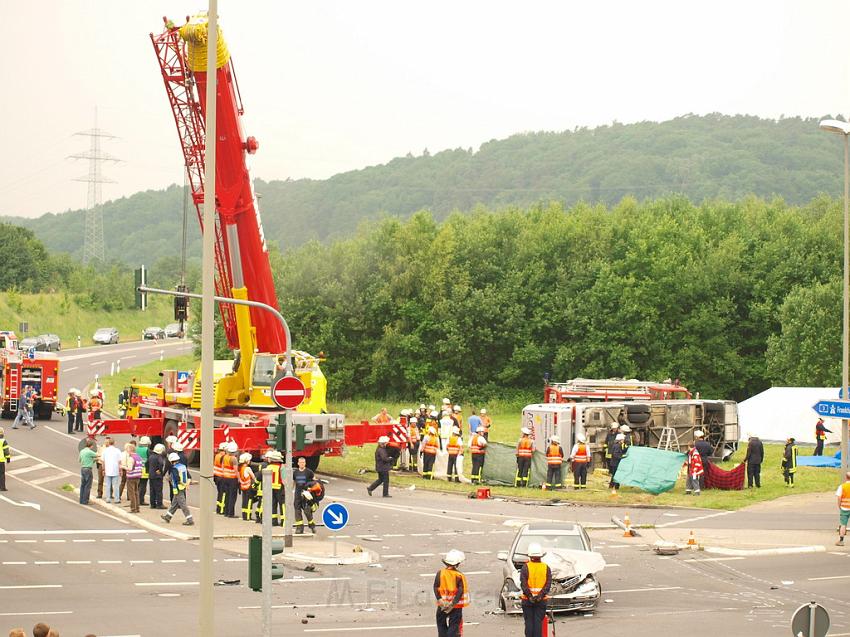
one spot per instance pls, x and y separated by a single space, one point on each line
34 467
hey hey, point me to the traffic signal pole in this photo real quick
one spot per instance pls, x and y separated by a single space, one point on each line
288 482
267 552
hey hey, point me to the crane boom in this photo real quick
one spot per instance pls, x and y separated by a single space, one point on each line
241 252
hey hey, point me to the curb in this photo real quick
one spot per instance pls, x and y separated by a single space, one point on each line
789 550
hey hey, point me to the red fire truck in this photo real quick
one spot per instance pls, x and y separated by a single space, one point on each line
244 409
19 370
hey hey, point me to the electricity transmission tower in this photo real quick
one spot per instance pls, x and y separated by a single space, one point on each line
93 245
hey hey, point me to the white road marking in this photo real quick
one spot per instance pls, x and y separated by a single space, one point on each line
62 433
9 588
70 369
119 539
394 535
80 541
22 503
78 562
701 517
645 590
97 363
25 541
421 555
49 479
409 509
167 539
142 539
363 628
235 559
173 561
141 561
165 583
13 563
45 562
34 467
75 532
816 579
41 612
110 562
391 556
337 605
99 351
54 541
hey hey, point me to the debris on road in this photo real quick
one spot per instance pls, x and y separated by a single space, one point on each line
662 547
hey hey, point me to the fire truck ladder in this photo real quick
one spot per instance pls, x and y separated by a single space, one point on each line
180 87
14 381
668 441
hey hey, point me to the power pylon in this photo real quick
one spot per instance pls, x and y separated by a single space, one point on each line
93 245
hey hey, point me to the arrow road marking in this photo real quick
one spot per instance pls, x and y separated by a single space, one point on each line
22 503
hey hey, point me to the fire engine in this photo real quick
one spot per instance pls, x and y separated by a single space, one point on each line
244 409
19 370
580 390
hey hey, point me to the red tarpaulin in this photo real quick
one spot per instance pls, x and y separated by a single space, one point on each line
717 478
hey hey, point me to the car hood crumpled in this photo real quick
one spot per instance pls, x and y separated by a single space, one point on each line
566 563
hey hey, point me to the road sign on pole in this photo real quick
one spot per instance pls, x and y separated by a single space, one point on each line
832 408
810 620
288 392
335 517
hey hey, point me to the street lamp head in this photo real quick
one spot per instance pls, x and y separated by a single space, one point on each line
835 126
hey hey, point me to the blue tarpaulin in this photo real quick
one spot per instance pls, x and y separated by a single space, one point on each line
820 461
653 470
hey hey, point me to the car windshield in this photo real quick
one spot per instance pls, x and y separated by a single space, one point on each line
104 332
549 541
152 329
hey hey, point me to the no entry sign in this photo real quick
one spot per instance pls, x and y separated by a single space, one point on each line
288 392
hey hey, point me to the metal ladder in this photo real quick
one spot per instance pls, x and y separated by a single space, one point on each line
668 441
14 381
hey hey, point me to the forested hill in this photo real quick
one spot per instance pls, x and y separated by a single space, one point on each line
707 157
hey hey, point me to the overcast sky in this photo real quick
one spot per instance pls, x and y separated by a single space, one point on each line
335 85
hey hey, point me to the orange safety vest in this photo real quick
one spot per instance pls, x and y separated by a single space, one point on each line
448 587
95 404
217 464
229 465
525 448
413 433
246 477
582 454
453 447
382 419
485 423
276 481
845 496
431 445
554 455
537 573
475 445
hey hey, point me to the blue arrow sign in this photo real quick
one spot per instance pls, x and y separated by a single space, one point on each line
182 377
833 408
335 516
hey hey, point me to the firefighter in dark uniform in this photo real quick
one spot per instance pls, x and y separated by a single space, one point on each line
311 497
609 440
535 580
820 436
789 462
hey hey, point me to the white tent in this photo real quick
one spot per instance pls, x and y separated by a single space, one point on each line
780 412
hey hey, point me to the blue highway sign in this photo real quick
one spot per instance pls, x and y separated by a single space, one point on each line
833 408
335 516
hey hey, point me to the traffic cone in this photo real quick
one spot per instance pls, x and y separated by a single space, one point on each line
628 522
692 541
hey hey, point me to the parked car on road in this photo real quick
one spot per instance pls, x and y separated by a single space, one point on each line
105 335
575 567
33 342
153 333
54 343
172 330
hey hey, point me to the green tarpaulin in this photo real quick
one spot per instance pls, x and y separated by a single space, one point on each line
652 470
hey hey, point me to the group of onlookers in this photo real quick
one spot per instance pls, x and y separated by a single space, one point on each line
39 630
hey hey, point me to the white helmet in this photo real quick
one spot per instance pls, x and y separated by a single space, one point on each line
615 425
454 557
171 439
232 447
159 448
620 437
245 458
383 440
535 550
144 440
77 392
422 406
173 457
446 401
625 429
482 412
456 408
94 392
526 431
222 446
177 446
73 390
433 413
431 407
274 455
405 412
698 433
581 437
555 439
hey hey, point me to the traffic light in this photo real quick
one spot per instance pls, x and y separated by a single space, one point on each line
301 432
181 305
277 434
255 561
141 279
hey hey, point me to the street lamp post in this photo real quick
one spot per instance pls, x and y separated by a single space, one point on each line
843 129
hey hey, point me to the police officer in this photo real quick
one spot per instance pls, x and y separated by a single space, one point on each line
535 580
452 593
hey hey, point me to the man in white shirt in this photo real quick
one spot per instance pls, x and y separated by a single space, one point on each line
112 470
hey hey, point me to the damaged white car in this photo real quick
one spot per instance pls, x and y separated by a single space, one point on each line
568 552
